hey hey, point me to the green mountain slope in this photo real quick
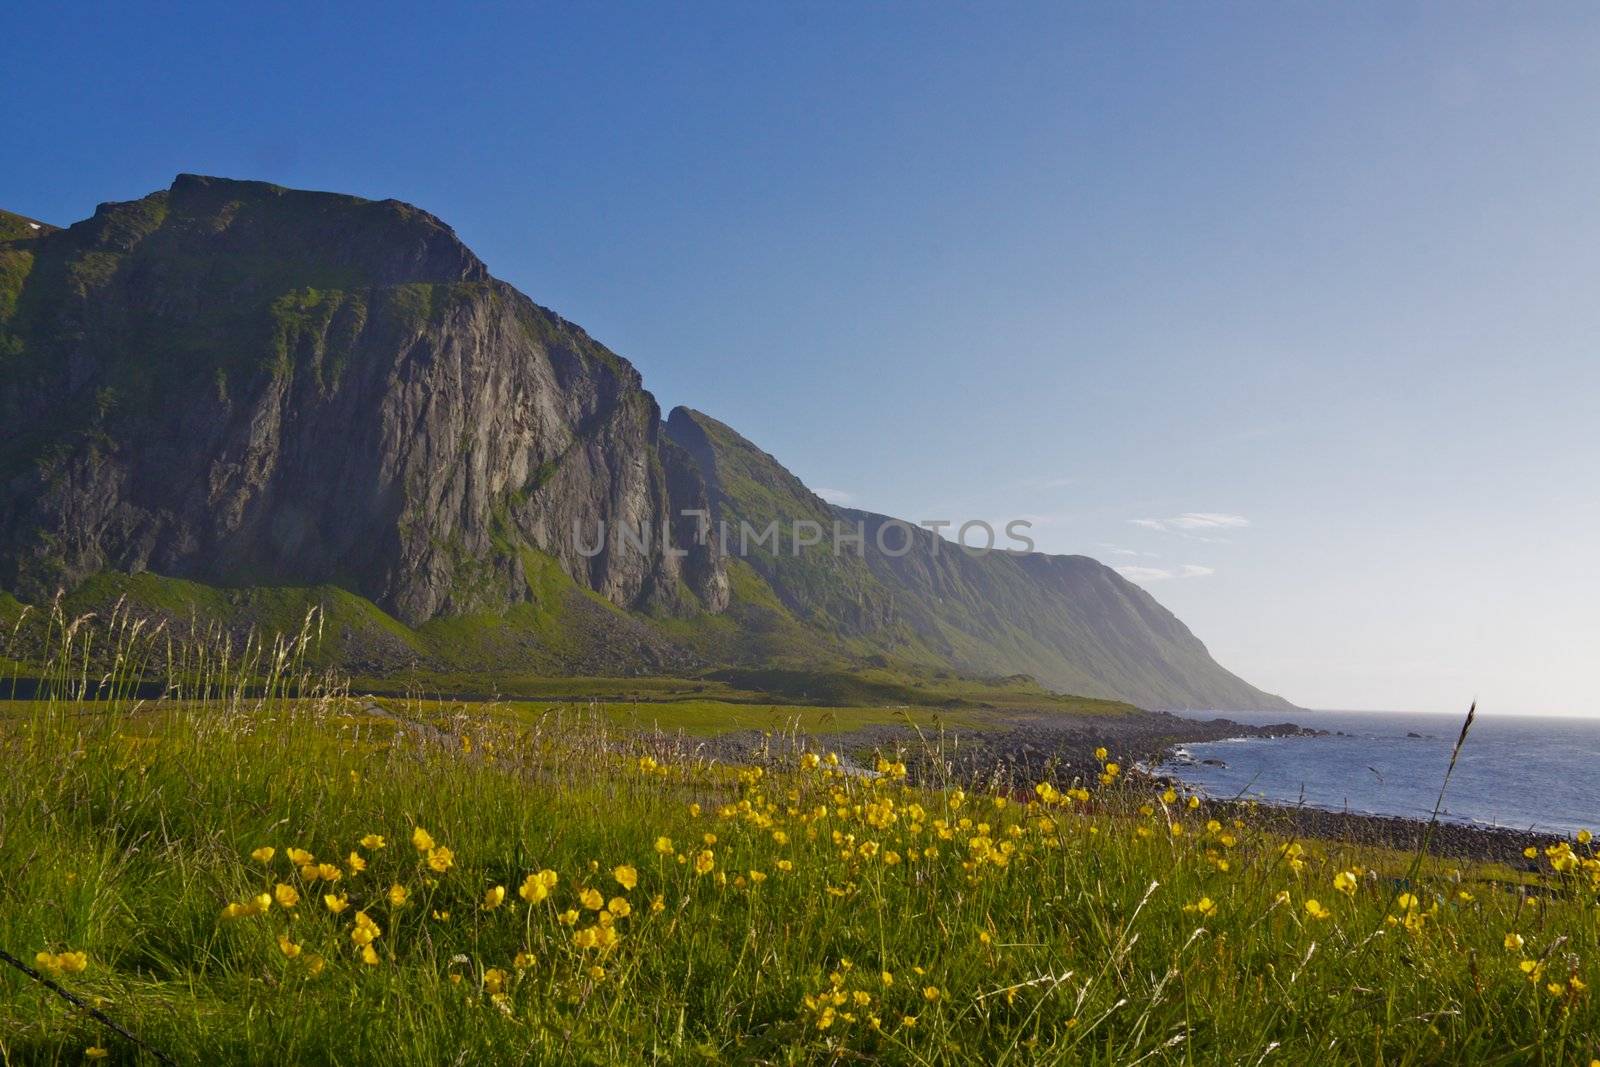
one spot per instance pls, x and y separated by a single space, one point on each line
1069 621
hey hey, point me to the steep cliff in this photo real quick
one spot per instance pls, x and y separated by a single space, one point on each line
238 400
1069 621
242 384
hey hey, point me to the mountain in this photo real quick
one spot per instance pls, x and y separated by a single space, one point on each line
231 399
1069 621
240 384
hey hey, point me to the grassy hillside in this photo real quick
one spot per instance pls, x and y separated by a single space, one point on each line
1068 621
565 642
297 879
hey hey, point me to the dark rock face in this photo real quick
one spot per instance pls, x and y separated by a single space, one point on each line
237 383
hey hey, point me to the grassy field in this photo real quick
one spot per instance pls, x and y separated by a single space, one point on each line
270 879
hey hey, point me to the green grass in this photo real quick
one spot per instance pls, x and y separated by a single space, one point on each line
1013 928
711 718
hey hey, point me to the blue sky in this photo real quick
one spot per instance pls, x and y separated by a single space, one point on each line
1325 278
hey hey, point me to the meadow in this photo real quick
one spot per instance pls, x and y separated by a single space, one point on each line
258 868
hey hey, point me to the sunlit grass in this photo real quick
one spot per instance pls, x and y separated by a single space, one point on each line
694 911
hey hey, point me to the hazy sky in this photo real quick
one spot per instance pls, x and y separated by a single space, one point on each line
1292 313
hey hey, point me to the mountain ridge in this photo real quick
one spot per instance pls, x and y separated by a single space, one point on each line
244 387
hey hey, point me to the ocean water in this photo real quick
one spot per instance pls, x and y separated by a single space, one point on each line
1514 771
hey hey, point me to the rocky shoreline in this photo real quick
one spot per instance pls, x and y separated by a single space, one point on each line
1018 750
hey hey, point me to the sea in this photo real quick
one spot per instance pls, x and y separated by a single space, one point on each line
1520 772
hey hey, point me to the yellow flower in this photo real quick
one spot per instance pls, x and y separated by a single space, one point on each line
1100 753
95 1052
704 861
626 876
657 903
300 857
1584 837
523 961
1205 906
619 907
264 854
694 811
568 917
785 865
289 949
1556 989
1345 882
592 899
421 840
1531 852
287 895
441 859
494 980
68 962
664 845
373 842
930 993
1513 942
1315 909
494 898
366 931
1408 901
588 937
336 904
397 895
355 863
329 873
369 955
532 890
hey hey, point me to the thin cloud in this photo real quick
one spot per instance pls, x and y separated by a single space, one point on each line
1195 520
1135 573
1119 550
1208 520
835 496
1143 574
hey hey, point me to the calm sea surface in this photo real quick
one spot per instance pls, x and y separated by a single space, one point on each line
1514 771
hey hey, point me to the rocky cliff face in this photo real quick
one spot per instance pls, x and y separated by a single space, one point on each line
242 384
248 386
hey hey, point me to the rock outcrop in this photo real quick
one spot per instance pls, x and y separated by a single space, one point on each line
242 384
